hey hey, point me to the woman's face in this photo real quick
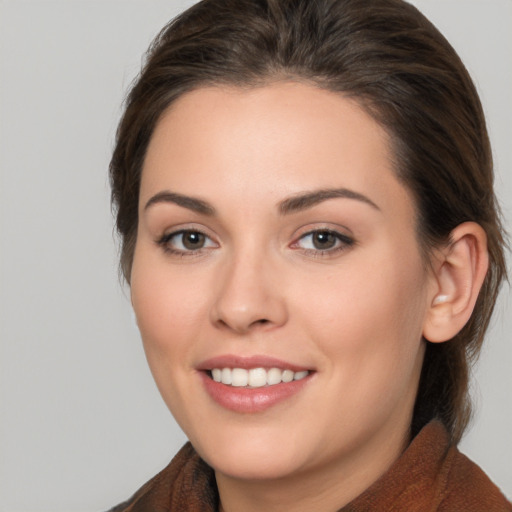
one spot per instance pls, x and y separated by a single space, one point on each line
276 243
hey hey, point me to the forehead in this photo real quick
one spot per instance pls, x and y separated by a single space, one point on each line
274 140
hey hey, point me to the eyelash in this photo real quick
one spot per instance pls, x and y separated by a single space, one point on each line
165 240
343 242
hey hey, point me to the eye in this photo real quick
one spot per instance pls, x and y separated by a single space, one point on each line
186 241
323 241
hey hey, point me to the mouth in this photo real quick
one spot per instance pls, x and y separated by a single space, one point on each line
252 384
255 377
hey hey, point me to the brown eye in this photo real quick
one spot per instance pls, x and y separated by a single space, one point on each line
193 240
323 240
186 241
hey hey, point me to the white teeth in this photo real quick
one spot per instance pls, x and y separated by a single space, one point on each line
287 376
274 376
255 377
226 376
240 377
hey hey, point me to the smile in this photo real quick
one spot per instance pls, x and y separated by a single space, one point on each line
255 377
252 384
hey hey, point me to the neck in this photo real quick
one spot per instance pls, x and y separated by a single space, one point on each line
327 488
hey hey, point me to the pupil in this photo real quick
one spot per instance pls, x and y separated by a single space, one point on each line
193 240
324 240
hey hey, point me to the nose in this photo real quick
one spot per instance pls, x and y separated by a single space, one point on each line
249 296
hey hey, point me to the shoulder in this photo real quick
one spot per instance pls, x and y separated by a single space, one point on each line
158 485
464 486
432 475
186 484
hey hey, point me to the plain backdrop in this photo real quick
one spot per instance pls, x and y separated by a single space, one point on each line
82 425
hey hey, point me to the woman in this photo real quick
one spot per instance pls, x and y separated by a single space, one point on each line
304 197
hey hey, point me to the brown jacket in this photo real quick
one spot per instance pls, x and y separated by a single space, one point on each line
430 476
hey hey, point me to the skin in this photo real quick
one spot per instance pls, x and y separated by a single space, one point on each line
354 314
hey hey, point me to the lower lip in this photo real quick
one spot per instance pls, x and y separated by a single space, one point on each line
251 400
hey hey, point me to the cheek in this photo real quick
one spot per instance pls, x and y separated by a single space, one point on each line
168 306
368 316
170 314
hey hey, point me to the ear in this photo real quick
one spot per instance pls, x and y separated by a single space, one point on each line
458 272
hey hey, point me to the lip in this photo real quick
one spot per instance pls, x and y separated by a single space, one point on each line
257 361
247 400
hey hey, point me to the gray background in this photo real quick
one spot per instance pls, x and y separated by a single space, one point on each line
81 422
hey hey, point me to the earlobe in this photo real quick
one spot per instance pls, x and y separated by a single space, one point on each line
440 299
459 270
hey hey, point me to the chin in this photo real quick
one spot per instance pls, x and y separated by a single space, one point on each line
254 466
253 457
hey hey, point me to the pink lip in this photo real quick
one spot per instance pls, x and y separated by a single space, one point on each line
247 400
258 361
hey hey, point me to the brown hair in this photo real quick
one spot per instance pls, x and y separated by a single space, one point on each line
389 57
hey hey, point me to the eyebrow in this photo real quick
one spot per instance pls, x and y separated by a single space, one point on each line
191 203
293 204
310 199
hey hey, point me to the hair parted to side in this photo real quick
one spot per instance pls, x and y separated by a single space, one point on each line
395 63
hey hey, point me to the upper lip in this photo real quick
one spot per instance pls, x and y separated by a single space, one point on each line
247 363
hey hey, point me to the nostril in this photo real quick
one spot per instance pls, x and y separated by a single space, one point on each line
262 321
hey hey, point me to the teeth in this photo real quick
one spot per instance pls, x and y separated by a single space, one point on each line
255 377
240 377
287 376
225 377
274 376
